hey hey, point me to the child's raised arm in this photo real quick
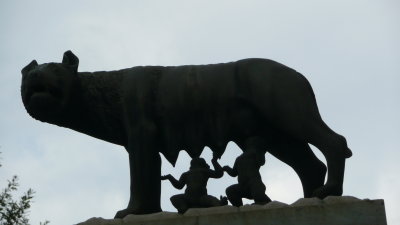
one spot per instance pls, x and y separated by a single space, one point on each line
178 184
218 172
231 171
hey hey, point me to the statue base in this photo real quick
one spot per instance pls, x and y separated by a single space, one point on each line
307 211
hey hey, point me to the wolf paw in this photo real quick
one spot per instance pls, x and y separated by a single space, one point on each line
122 213
328 190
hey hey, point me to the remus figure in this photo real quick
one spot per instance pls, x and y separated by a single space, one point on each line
196 179
250 184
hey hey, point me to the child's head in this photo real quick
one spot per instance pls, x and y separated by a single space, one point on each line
198 163
256 154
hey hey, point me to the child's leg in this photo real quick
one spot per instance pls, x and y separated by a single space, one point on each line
180 203
257 190
235 194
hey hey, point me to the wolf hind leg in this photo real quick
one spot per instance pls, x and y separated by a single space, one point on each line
334 147
303 161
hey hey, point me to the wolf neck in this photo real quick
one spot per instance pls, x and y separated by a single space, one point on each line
97 106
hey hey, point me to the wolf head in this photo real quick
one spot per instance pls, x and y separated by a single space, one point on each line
47 89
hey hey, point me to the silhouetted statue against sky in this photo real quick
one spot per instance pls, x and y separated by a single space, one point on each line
247 169
155 109
196 179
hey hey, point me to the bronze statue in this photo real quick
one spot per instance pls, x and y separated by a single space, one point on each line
155 109
196 179
250 184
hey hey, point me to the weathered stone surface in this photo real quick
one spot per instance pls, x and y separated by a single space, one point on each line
330 211
247 208
306 202
340 199
101 221
275 204
133 219
211 211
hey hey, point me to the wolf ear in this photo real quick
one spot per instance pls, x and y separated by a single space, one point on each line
71 60
29 67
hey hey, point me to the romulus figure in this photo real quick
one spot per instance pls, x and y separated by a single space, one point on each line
196 179
250 184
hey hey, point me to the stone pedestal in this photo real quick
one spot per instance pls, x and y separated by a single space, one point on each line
309 211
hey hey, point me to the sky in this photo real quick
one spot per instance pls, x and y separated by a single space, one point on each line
348 50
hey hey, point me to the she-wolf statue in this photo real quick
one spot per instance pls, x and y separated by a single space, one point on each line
163 109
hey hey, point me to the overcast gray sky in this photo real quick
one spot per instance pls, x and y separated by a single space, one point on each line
348 50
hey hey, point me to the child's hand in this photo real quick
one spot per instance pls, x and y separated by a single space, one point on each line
165 177
215 157
226 168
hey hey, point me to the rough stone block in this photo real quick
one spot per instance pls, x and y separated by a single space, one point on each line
306 202
312 211
340 199
211 211
275 204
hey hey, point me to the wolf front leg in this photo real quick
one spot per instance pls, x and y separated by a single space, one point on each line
145 173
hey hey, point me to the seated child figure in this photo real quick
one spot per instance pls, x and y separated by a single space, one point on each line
250 184
196 179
